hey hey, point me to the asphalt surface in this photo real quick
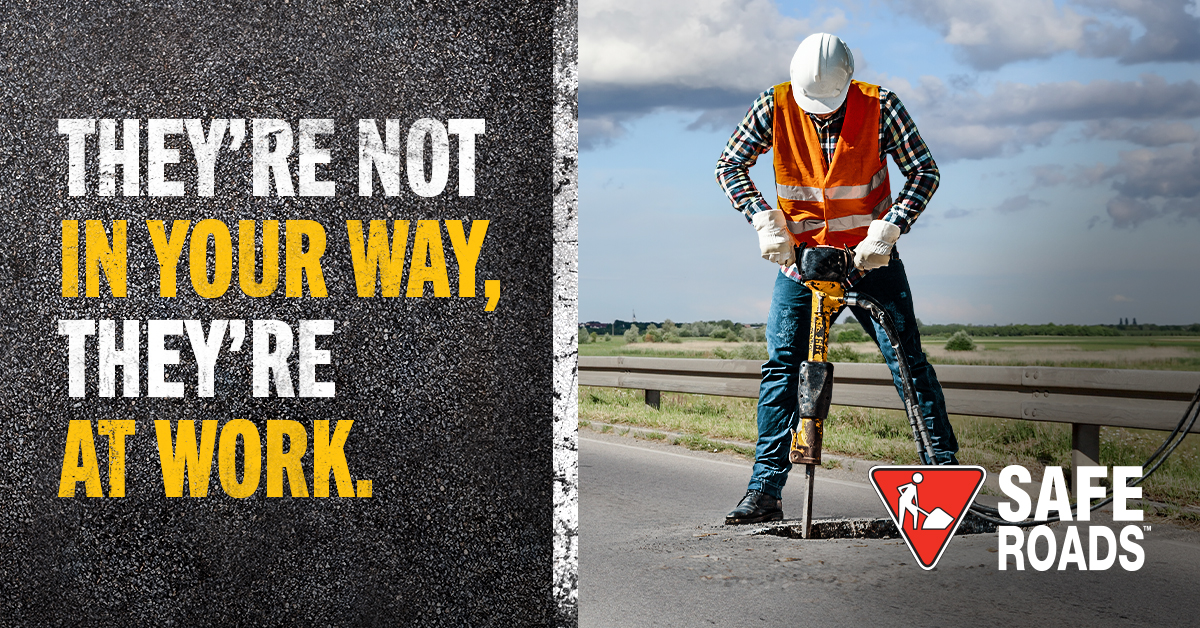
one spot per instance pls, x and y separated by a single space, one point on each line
653 552
452 405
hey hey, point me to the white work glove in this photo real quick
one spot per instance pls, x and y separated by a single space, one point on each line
774 240
876 249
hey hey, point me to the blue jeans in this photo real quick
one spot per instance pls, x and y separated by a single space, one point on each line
787 346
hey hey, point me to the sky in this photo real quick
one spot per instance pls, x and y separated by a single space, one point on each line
1067 135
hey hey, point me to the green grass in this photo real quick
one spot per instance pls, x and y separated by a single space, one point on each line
699 443
1163 364
691 441
1126 352
618 346
1009 352
884 435
1171 514
729 418
1087 343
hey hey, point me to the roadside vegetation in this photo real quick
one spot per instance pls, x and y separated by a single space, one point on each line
884 435
734 341
960 341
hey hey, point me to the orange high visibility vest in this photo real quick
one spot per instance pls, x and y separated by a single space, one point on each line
832 204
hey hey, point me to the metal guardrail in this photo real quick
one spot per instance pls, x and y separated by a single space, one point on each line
1085 398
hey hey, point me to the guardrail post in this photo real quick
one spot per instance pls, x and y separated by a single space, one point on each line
1085 448
653 398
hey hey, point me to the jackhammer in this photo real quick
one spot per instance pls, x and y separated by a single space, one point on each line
826 271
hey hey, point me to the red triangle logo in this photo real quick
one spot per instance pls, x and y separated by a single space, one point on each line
927 503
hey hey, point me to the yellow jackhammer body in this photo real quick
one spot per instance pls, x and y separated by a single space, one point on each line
824 270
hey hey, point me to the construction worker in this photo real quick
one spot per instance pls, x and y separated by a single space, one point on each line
830 135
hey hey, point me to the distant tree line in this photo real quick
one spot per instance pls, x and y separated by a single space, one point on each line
669 331
1050 329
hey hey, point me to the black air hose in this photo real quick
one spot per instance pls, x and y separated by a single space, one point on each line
911 407
924 445
992 515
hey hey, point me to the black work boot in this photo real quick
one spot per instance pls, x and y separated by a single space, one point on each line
756 507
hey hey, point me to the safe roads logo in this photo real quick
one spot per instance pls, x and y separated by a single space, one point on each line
927 504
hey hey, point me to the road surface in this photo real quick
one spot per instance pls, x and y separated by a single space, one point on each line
653 552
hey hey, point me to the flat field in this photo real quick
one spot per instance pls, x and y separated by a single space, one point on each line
1175 353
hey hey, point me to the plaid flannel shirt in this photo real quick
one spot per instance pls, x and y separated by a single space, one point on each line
898 137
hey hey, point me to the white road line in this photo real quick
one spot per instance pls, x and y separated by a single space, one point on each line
820 480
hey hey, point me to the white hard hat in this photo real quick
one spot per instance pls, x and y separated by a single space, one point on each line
821 71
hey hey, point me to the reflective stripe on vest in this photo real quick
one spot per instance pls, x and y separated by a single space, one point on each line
840 192
844 223
831 203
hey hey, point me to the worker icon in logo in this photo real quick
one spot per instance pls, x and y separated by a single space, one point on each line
908 499
938 519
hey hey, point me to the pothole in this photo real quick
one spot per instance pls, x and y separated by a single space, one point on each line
860 528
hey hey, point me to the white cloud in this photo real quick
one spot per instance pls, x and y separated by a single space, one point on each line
989 34
1159 179
1048 175
595 131
714 55
1127 213
1014 204
640 55
1170 172
636 56
950 139
974 125
1154 134
1172 32
1182 208
1154 182
1150 97
1090 175
724 44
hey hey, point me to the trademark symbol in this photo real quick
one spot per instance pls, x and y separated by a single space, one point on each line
1146 528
